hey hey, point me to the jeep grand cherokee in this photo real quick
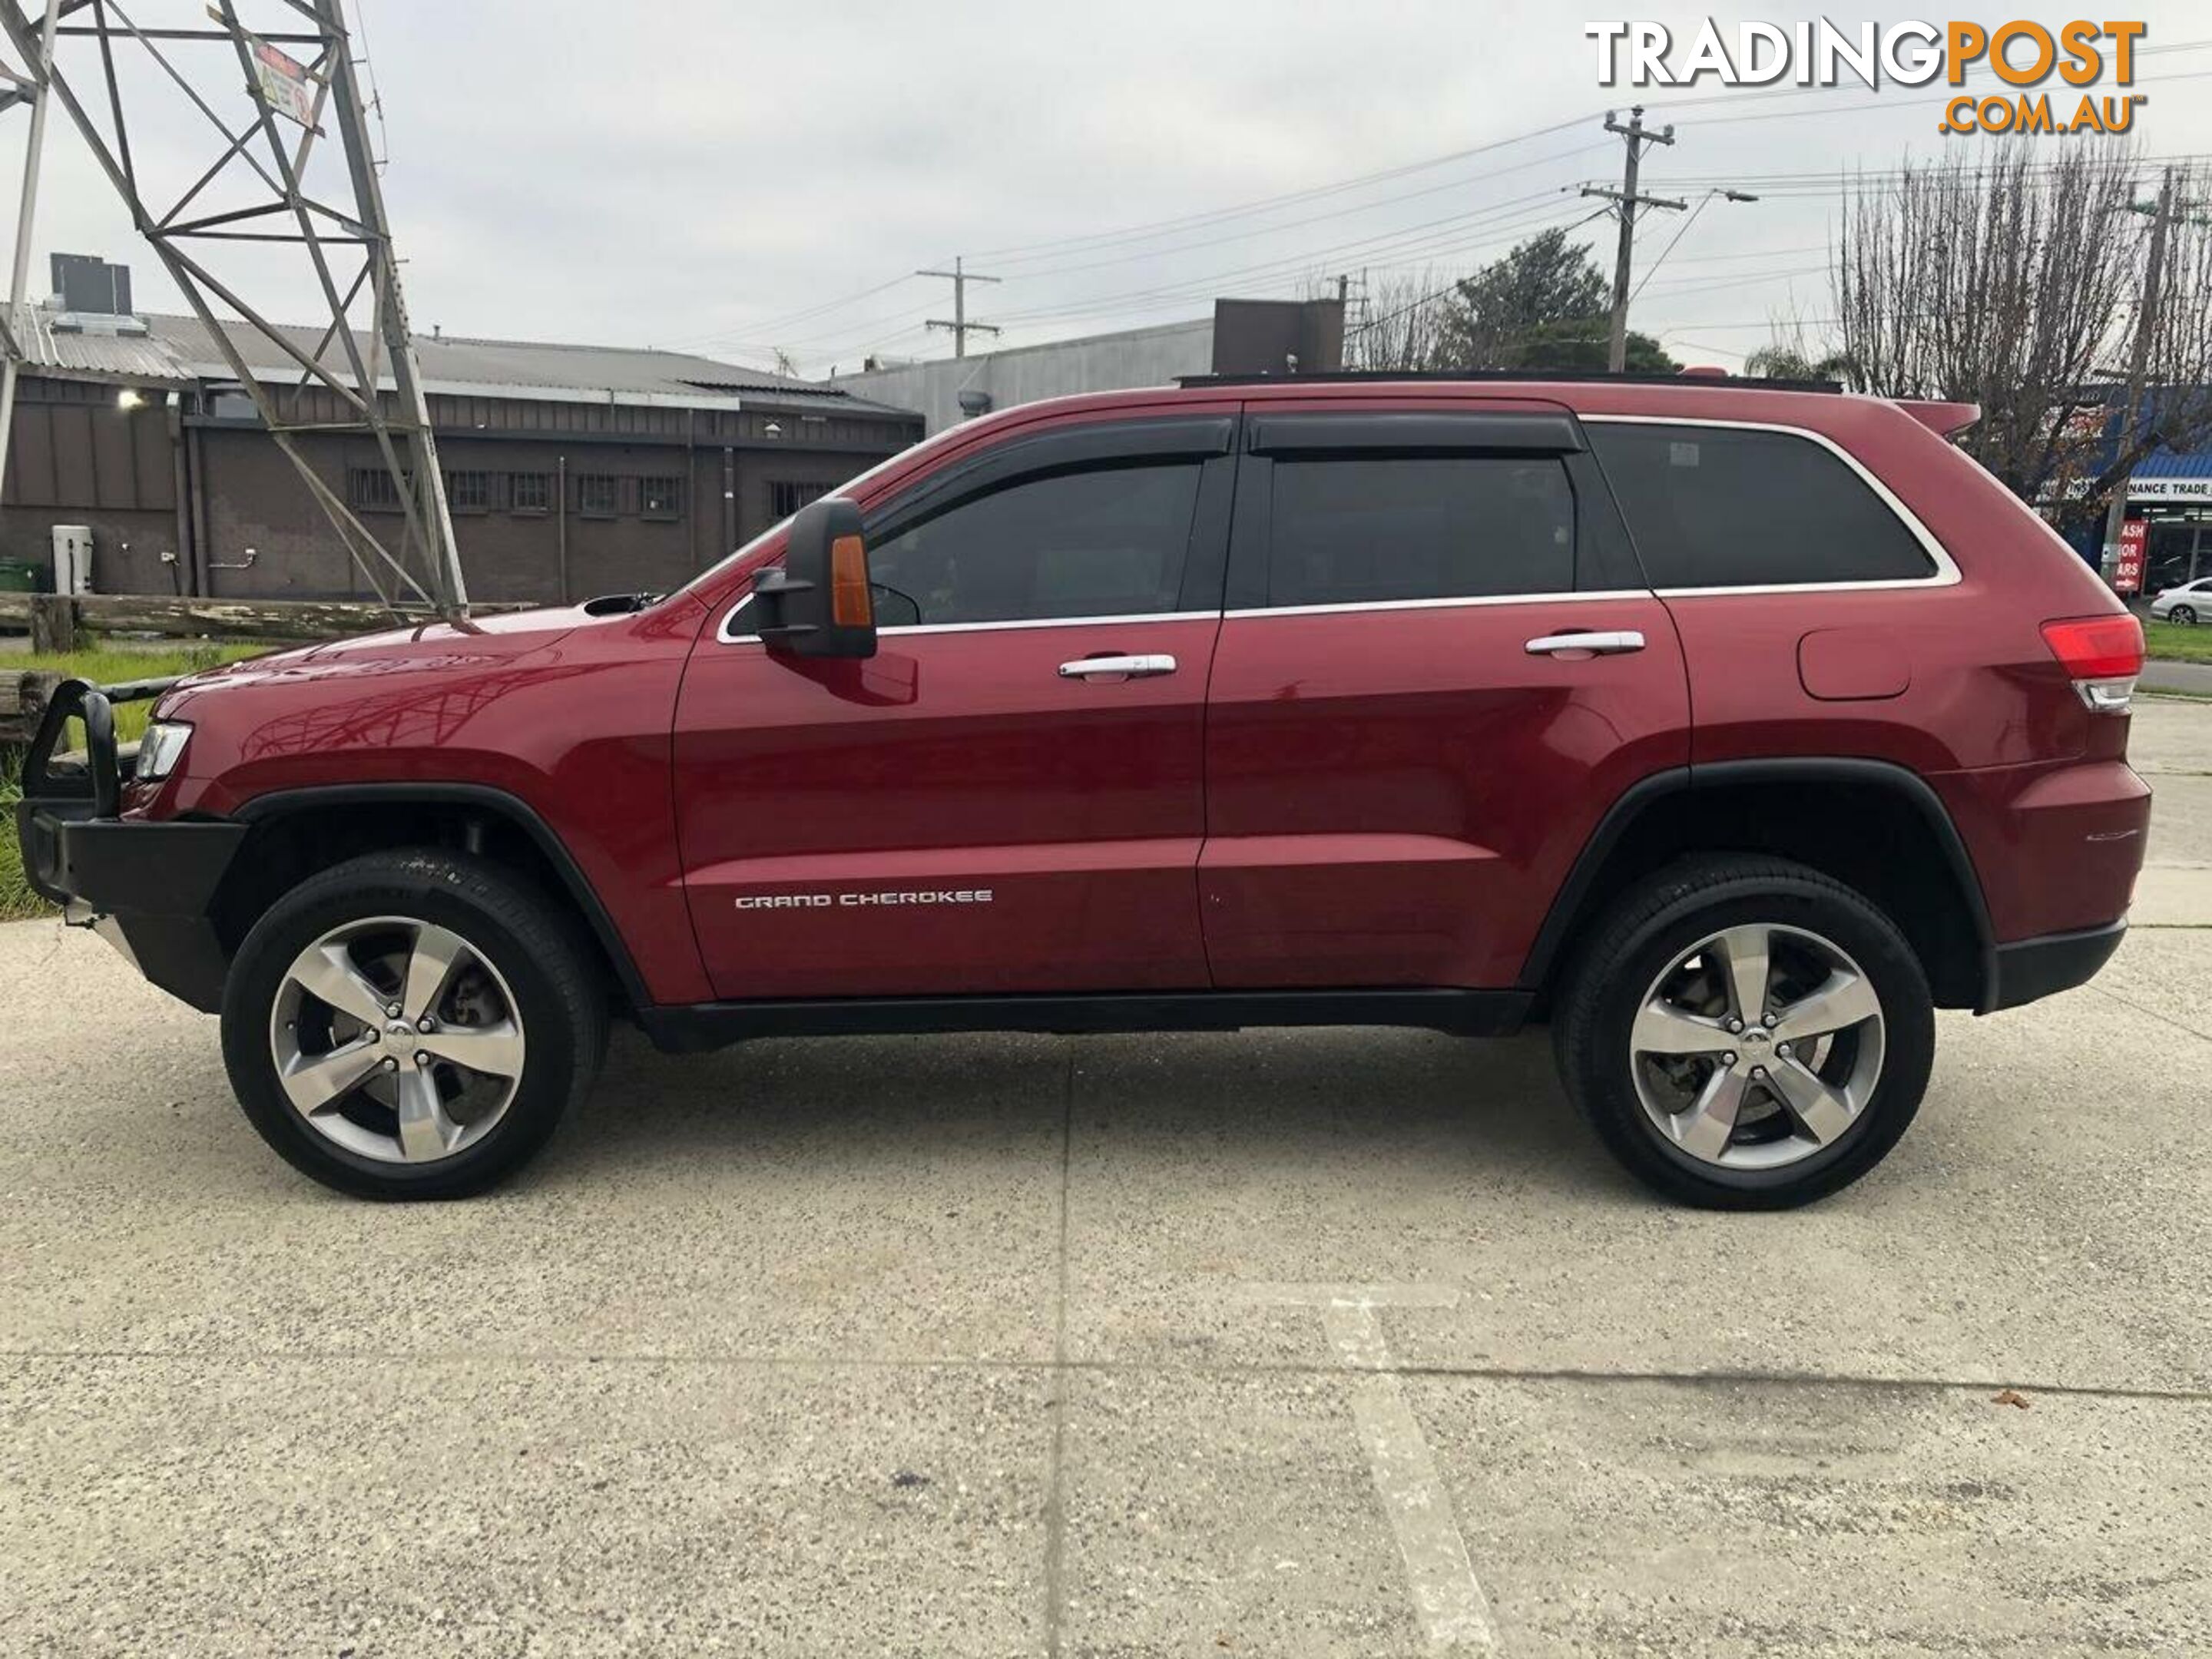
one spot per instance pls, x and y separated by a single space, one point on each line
1730 728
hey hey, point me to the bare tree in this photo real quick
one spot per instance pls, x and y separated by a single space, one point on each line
1397 325
2018 284
1791 353
1400 327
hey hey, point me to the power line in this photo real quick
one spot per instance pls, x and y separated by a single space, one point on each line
1505 226
1015 255
1395 242
1428 240
777 324
1315 219
1026 254
1430 298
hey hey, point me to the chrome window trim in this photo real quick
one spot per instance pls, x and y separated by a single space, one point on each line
1457 603
723 635
1946 574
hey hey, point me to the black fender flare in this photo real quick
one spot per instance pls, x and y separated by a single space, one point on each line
1568 908
280 804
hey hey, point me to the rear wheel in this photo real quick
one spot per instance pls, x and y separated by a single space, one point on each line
2183 614
410 1025
1745 1033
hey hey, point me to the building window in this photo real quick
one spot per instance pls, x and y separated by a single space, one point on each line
785 497
599 494
469 492
660 498
372 489
530 492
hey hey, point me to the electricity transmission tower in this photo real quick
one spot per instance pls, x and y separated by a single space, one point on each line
958 324
1638 138
24 88
254 208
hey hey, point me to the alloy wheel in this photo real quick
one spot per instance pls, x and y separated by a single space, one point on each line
396 1039
1758 1046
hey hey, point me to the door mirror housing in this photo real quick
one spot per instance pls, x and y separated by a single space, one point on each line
820 603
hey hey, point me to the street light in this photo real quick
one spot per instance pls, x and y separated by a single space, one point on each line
130 399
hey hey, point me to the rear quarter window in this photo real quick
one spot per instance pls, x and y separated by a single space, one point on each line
1725 507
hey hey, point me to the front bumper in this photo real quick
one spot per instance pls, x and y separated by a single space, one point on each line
149 888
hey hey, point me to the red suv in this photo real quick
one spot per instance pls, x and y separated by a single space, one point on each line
1732 728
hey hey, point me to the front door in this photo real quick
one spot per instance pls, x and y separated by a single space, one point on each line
1438 667
1008 797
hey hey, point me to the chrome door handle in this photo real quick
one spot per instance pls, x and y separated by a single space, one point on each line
1135 668
1611 644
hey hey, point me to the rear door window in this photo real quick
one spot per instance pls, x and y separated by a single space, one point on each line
1728 506
1372 529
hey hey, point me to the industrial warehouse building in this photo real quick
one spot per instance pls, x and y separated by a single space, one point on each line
1243 336
571 470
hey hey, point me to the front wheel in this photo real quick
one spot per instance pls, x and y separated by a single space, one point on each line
410 1024
1745 1033
2183 614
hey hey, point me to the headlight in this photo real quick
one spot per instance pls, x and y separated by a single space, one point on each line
161 749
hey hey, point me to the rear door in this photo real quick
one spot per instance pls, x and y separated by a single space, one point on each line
1438 667
1008 797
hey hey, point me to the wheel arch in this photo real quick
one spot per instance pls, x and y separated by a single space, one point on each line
1902 851
364 817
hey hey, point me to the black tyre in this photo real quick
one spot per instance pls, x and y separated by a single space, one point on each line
411 1024
1745 1033
2183 614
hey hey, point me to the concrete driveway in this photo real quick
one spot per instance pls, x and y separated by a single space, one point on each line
1332 1343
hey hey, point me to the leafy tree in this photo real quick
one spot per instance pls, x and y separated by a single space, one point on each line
1779 360
1492 319
1579 343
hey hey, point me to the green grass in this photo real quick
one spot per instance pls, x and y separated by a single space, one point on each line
17 901
2174 642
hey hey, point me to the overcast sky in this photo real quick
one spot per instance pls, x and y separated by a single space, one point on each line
730 177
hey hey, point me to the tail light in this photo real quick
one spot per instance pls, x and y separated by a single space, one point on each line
2102 655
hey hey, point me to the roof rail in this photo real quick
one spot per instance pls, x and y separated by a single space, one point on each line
1593 377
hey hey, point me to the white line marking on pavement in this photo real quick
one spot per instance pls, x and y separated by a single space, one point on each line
1446 1593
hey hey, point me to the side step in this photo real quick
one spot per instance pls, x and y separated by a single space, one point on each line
694 1028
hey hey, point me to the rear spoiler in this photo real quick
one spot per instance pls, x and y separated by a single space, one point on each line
1944 420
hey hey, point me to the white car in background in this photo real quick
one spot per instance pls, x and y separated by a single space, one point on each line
2189 603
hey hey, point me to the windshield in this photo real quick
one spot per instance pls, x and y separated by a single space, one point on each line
843 492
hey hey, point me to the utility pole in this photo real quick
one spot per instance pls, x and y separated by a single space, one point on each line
959 324
2164 213
1637 138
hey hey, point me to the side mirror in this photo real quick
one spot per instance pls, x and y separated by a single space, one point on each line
819 602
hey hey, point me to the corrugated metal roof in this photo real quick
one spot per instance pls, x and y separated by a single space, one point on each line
97 355
482 366
177 347
2176 464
